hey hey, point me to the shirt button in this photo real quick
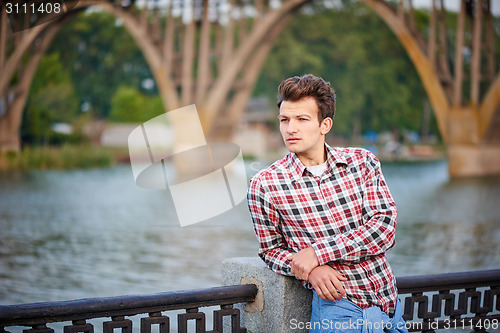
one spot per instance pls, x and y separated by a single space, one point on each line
342 229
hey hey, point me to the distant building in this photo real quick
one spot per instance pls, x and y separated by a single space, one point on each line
257 133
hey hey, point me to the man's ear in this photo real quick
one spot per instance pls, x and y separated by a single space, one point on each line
326 125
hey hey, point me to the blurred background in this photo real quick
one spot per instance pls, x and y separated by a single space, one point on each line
74 224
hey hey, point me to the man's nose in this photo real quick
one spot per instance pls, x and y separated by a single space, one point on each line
292 127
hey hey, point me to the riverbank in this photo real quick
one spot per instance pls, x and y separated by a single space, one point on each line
395 153
90 156
60 158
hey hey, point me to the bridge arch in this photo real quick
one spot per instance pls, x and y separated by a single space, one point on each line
468 128
221 87
240 52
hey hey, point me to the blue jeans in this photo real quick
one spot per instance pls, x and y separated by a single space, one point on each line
346 317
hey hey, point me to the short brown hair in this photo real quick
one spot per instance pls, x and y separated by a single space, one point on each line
298 87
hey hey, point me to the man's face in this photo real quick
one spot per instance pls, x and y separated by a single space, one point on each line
300 128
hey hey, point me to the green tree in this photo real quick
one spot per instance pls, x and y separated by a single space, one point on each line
101 56
128 105
52 99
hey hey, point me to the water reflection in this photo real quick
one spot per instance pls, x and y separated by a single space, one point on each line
445 224
92 233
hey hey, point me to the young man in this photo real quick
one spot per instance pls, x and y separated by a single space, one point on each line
326 216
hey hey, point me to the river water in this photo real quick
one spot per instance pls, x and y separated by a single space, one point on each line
93 233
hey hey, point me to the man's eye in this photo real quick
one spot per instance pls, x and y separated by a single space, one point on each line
304 119
283 120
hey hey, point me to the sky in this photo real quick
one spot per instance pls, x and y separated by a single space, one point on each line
455 5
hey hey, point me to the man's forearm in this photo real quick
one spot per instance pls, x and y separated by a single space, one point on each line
371 239
277 259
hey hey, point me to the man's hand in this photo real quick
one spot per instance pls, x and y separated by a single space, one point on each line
303 262
326 281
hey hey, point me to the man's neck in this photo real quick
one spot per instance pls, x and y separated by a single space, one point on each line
313 158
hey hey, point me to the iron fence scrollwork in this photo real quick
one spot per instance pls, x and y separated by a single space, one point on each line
38 315
466 301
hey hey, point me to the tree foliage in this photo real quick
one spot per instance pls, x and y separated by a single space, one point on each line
52 99
101 56
130 105
377 87
90 58
94 65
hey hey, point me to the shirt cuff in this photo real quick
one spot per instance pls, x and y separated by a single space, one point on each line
327 250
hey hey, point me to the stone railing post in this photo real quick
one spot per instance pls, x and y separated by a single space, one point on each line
282 305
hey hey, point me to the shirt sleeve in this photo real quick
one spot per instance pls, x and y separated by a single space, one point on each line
273 249
375 234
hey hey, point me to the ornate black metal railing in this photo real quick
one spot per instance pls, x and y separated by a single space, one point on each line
78 312
466 300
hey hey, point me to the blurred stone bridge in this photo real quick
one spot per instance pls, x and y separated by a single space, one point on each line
210 52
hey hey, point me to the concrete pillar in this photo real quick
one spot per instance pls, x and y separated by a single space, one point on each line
282 305
469 153
473 160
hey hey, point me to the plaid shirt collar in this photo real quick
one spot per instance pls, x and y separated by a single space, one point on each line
297 168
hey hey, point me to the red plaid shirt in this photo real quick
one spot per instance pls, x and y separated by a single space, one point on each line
347 215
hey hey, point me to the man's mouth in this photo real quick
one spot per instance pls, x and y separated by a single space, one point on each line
293 140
